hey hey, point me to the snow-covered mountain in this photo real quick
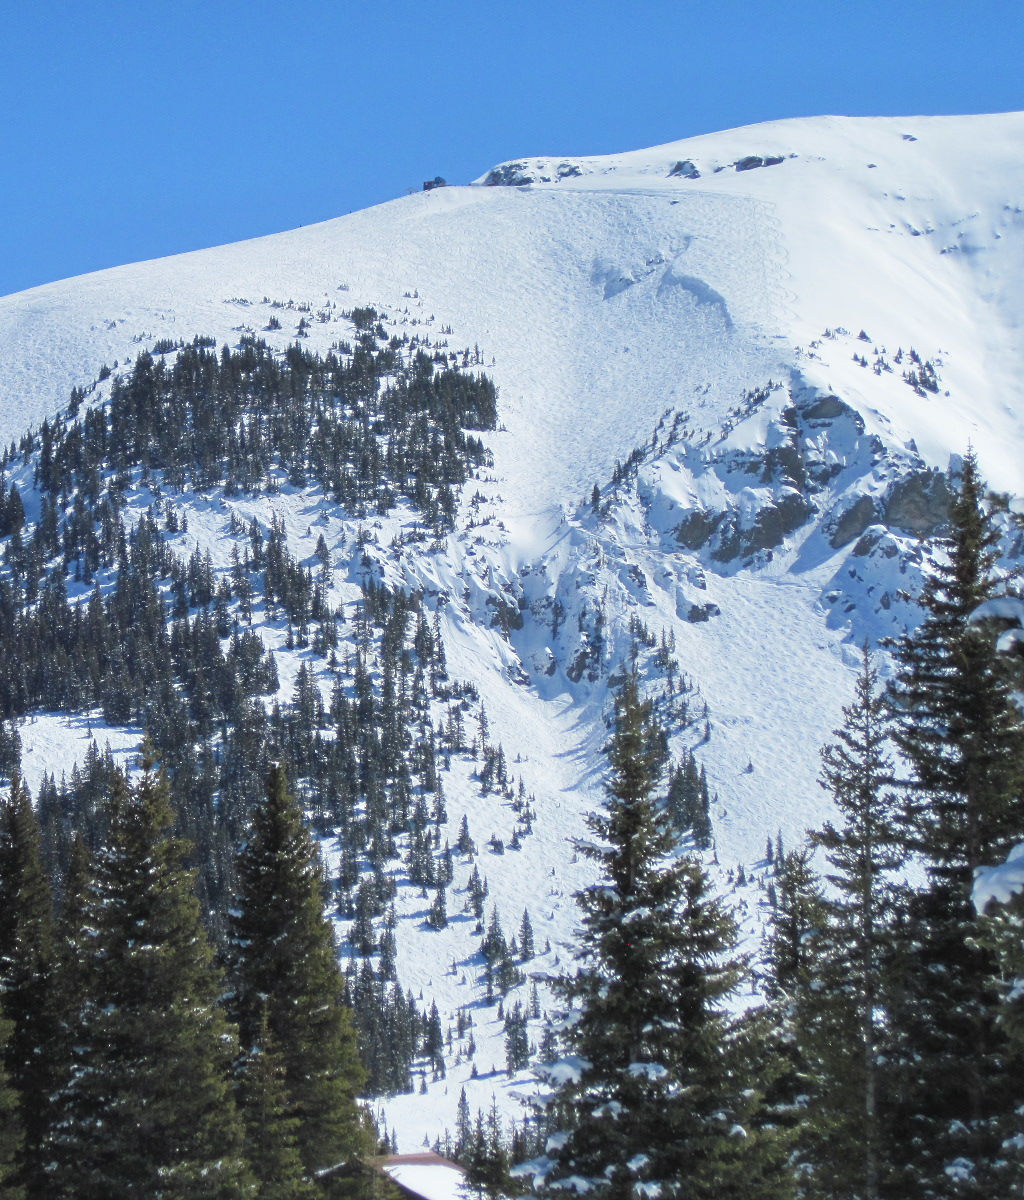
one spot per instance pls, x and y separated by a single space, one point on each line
762 347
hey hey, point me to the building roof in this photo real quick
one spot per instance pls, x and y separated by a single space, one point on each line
426 1175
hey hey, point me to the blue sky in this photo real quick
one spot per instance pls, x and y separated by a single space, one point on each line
133 130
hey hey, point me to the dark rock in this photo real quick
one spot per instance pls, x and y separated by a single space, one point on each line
776 522
685 169
752 161
918 504
436 182
873 537
568 170
583 663
825 408
786 463
852 523
771 526
703 612
697 527
510 174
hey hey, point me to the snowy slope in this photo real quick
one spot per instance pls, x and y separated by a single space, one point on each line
625 287
700 304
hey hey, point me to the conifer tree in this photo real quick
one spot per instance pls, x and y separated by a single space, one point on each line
659 1096
795 1035
487 1163
74 947
147 1110
463 1128
29 976
285 973
796 924
854 973
955 719
526 946
958 727
271 1127
1002 934
11 1137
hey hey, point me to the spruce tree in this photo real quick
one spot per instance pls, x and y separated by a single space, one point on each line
796 1034
463 1129
271 1128
147 1110
796 924
955 719
487 1163
1002 933
11 1136
285 974
658 1095
853 969
29 976
957 726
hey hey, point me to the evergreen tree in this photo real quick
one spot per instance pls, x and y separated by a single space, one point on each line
689 802
271 1128
658 1096
955 719
32 989
797 922
437 917
74 946
853 971
147 1110
285 973
11 1137
958 727
487 1164
517 1042
463 1129
526 946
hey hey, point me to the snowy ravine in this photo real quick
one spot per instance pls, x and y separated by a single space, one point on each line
761 346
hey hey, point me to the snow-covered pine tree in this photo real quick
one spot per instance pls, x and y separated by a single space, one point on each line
285 976
852 969
955 718
958 727
658 1096
30 986
147 1109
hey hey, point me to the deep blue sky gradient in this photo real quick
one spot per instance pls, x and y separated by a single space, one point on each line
130 130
